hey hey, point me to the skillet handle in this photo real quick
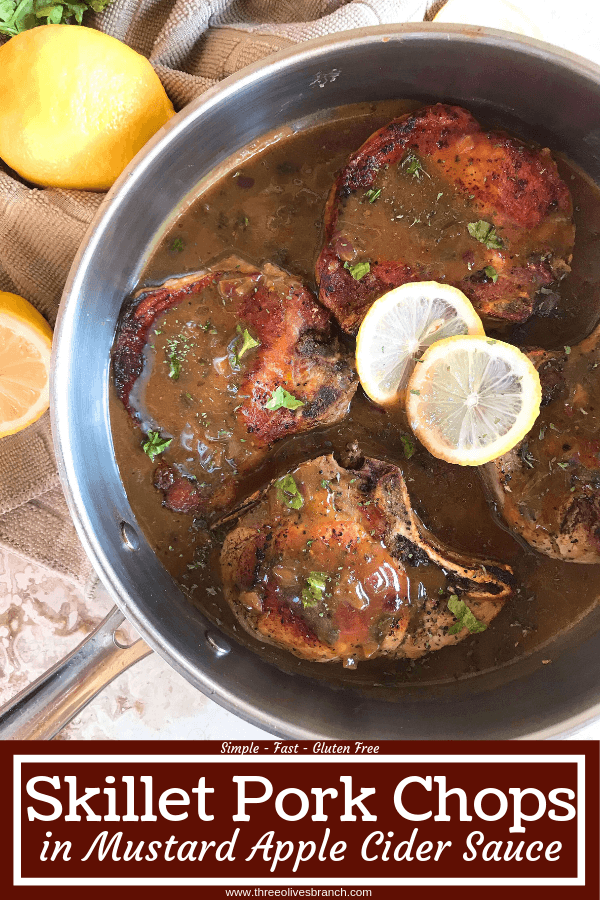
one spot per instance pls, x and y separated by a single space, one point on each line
41 710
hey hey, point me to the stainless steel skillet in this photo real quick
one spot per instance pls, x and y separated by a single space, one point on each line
556 98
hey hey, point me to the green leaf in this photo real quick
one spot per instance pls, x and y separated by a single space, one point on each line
7 8
282 399
316 584
359 270
155 444
413 166
288 493
409 447
372 195
17 17
491 273
464 617
248 342
485 233
177 245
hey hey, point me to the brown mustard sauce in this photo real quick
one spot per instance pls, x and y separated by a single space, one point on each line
269 207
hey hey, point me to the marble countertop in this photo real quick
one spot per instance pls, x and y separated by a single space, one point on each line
42 617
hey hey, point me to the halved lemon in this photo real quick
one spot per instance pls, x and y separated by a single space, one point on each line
471 399
400 326
25 344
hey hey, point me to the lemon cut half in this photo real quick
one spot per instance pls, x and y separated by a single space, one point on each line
400 326
25 345
472 399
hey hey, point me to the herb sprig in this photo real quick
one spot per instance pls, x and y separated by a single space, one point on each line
155 445
288 493
464 617
316 584
281 399
485 233
21 15
359 270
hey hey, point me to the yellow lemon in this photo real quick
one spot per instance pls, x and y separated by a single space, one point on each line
25 344
400 326
76 105
472 399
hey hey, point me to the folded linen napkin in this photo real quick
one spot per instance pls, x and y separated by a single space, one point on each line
192 44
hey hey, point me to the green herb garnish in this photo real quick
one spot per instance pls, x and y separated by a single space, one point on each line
409 447
177 245
485 233
413 166
359 270
20 15
288 493
491 273
567 349
155 444
282 399
372 195
464 617
248 343
316 584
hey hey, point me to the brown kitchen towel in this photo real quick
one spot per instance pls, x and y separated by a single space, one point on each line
192 44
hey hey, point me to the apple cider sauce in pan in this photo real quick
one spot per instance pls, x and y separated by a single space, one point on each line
292 510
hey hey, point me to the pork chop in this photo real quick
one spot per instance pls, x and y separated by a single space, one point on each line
431 196
216 366
332 564
548 488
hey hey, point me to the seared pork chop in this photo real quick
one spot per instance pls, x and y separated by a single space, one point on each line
433 197
332 564
548 488
216 366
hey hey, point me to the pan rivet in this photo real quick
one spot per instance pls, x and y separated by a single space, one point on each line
129 537
216 643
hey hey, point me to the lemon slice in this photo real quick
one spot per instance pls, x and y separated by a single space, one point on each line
400 326
472 399
25 344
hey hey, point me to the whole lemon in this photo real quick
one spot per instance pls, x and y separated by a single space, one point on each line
76 105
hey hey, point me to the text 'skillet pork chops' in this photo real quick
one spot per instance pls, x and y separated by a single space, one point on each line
332 564
431 196
218 365
548 488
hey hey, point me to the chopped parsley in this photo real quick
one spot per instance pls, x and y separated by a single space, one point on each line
359 270
316 584
288 493
413 166
281 399
177 245
409 447
372 195
176 350
174 365
485 233
464 617
491 273
155 444
567 349
248 343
